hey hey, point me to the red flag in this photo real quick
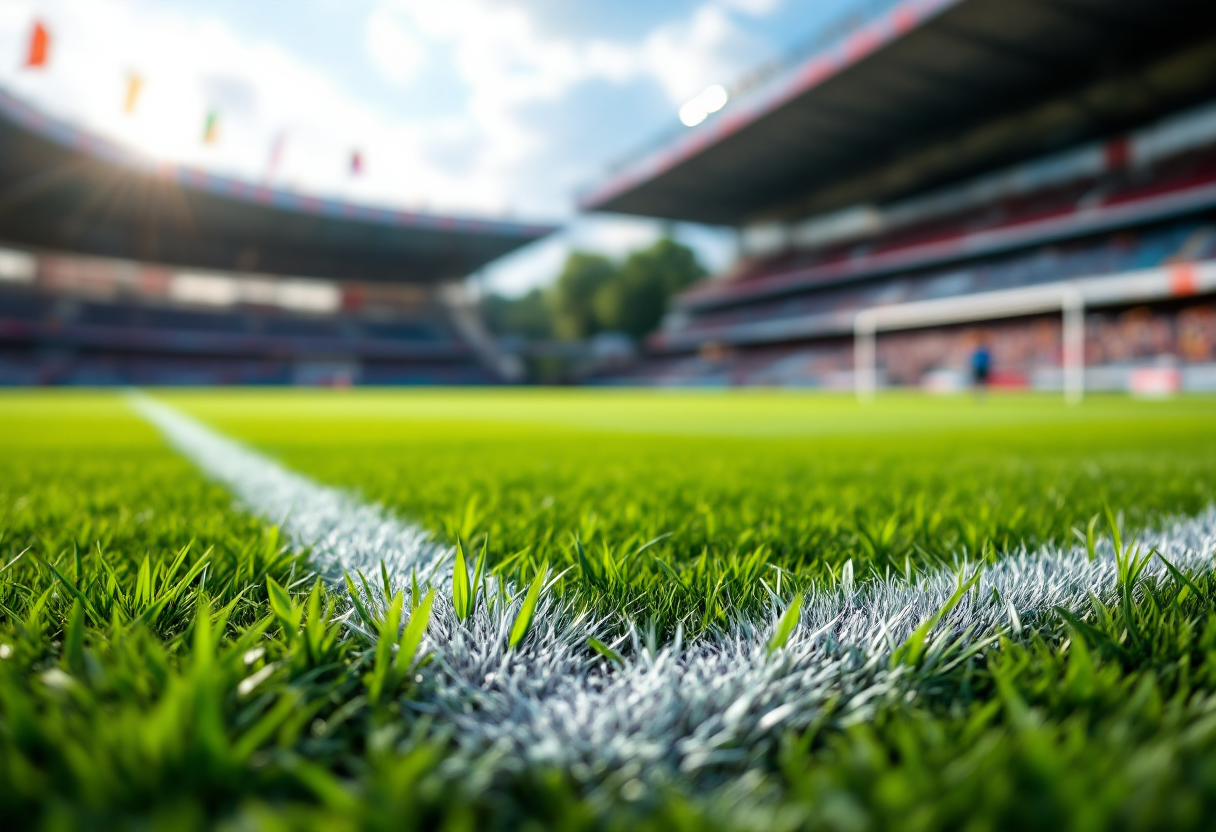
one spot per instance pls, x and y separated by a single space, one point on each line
356 163
40 46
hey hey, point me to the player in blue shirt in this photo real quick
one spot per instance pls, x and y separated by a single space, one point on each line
981 366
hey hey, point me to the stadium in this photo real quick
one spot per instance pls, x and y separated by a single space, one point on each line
131 271
944 560
930 195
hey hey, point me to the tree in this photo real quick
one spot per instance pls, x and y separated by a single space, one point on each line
593 294
572 298
635 302
527 315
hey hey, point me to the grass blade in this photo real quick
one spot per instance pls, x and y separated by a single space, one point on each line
605 651
411 638
785 626
461 592
523 620
911 651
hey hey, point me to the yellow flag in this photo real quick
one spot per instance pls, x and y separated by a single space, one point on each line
135 85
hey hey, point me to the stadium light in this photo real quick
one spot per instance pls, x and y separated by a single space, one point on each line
714 98
710 100
693 113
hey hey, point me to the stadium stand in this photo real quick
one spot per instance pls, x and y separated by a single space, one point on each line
53 338
851 206
118 269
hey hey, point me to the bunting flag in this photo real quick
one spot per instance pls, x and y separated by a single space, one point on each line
211 128
356 163
40 46
135 85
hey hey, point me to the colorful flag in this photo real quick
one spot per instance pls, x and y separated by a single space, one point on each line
40 46
211 128
135 85
356 163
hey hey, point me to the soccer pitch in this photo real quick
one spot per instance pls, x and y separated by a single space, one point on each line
668 610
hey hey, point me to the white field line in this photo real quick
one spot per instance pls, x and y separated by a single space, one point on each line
712 704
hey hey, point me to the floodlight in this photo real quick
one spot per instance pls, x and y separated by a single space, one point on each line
714 98
709 101
693 113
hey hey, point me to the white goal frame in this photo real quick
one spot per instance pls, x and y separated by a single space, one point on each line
1070 298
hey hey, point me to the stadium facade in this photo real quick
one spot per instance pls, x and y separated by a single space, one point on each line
116 268
1037 175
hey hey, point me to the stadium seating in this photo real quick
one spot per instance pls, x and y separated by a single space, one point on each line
293 327
407 331
188 321
787 319
833 306
1015 221
49 338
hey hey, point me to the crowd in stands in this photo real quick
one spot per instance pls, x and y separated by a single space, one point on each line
1021 349
1189 334
1140 335
49 338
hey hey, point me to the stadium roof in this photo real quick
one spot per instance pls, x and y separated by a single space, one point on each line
68 190
930 92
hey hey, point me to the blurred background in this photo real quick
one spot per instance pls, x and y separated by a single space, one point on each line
854 194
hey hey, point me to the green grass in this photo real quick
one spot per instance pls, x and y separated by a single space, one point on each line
125 692
732 485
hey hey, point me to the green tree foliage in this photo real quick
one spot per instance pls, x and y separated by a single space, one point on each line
594 294
635 301
572 298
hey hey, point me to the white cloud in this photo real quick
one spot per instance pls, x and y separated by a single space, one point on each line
509 64
506 64
687 57
615 236
395 50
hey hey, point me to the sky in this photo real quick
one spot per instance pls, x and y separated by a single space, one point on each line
494 108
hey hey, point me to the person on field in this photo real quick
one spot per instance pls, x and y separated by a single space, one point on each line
981 367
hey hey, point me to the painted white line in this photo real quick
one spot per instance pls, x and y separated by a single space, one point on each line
713 703
341 531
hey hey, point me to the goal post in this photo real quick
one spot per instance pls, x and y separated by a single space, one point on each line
1069 299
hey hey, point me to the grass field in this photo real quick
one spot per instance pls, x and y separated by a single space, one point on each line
152 673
